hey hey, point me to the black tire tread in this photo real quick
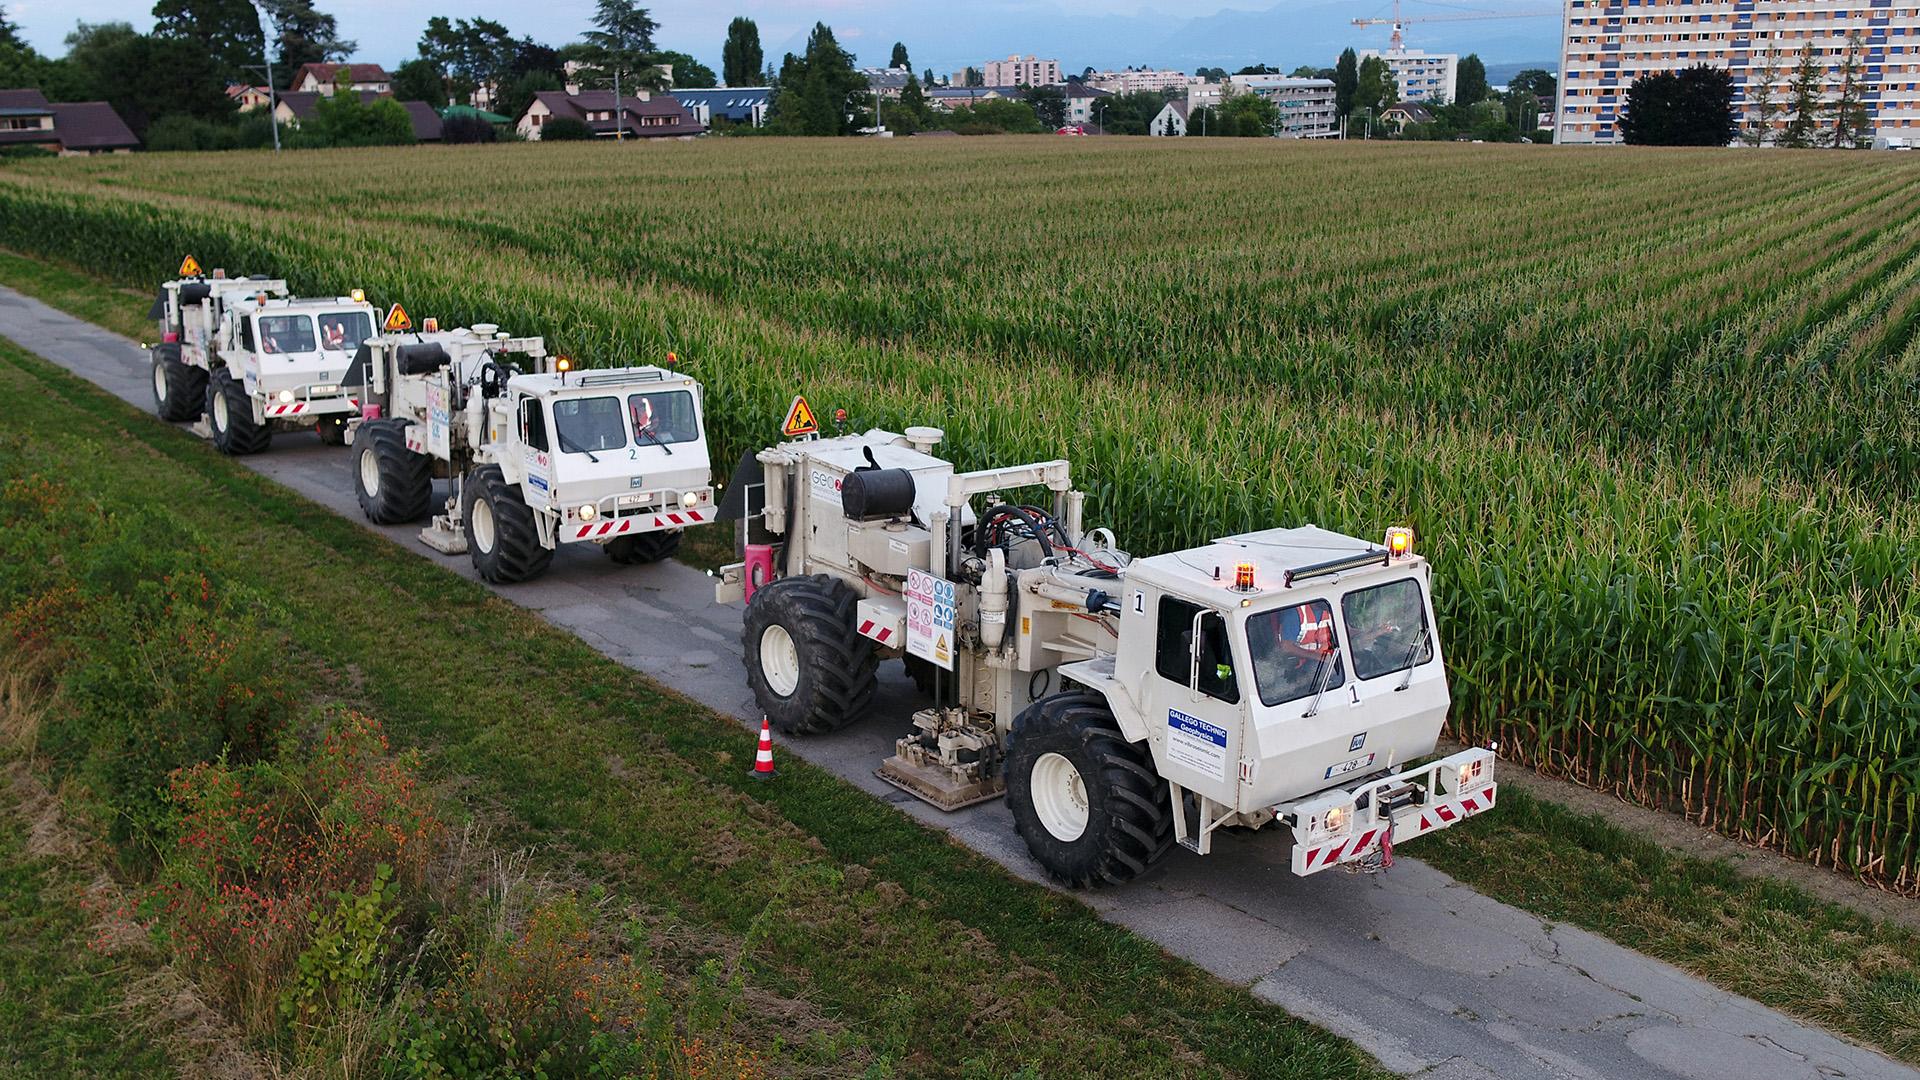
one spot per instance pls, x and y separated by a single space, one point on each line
647 547
186 386
1129 830
838 666
242 436
517 555
406 478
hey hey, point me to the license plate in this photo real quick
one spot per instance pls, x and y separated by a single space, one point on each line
1346 767
319 390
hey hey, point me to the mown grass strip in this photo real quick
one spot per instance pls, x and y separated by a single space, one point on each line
936 958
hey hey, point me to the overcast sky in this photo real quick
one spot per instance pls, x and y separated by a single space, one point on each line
943 35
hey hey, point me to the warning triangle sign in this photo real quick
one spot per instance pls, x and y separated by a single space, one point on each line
397 321
800 419
190 267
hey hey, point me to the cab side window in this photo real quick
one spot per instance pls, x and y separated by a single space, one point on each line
533 423
1173 649
246 334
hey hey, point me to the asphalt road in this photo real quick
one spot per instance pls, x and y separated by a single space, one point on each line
1431 977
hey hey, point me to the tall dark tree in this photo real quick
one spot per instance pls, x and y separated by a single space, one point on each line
819 92
688 73
927 80
531 56
1852 127
1535 81
420 79
973 76
1346 80
1689 107
1470 81
899 57
228 31
740 57
1803 128
304 35
145 77
619 49
470 54
1049 104
1375 89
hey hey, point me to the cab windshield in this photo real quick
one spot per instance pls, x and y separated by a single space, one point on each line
1387 628
343 331
286 333
1295 652
663 417
583 425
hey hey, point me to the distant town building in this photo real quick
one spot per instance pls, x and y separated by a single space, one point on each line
643 115
1604 49
1171 120
323 78
70 129
1080 102
1014 71
887 82
1425 76
1405 113
948 97
1138 80
248 97
1305 105
745 105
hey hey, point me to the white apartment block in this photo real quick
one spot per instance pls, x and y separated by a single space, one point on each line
1014 71
1607 44
1306 105
1421 76
1131 81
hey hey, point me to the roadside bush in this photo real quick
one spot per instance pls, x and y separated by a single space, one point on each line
181 132
565 129
467 129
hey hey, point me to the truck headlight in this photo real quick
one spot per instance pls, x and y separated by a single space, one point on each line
690 500
1337 820
587 511
286 395
1469 776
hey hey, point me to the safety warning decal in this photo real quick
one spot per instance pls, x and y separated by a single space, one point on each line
800 420
189 267
397 321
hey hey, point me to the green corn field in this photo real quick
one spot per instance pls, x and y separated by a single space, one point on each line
1655 414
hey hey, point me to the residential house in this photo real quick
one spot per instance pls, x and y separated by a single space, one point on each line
299 106
1081 99
249 97
323 78
1404 113
737 105
70 129
1171 120
887 82
643 115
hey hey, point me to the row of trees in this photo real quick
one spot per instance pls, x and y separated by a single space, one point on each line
1694 106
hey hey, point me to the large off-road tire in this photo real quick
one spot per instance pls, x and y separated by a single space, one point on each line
810 669
501 534
332 430
647 547
1086 801
394 484
179 391
230 415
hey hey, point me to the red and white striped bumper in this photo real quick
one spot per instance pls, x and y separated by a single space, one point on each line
1369 829
325 406
651 521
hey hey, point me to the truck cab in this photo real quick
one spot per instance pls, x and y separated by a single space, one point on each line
1281 674
607 453
296 356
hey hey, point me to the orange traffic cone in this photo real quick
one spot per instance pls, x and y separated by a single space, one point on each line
763 759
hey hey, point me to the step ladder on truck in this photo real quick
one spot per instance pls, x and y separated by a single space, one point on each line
1123 705
535 454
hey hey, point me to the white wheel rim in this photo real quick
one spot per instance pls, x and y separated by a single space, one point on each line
220 411
160 381
369 473
483 525
779 660
1059 797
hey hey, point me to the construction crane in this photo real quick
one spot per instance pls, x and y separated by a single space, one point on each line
1396 44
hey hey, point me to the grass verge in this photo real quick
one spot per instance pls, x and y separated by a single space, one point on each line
1769 941
881 947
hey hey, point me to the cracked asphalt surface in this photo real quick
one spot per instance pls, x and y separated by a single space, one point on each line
1434 979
